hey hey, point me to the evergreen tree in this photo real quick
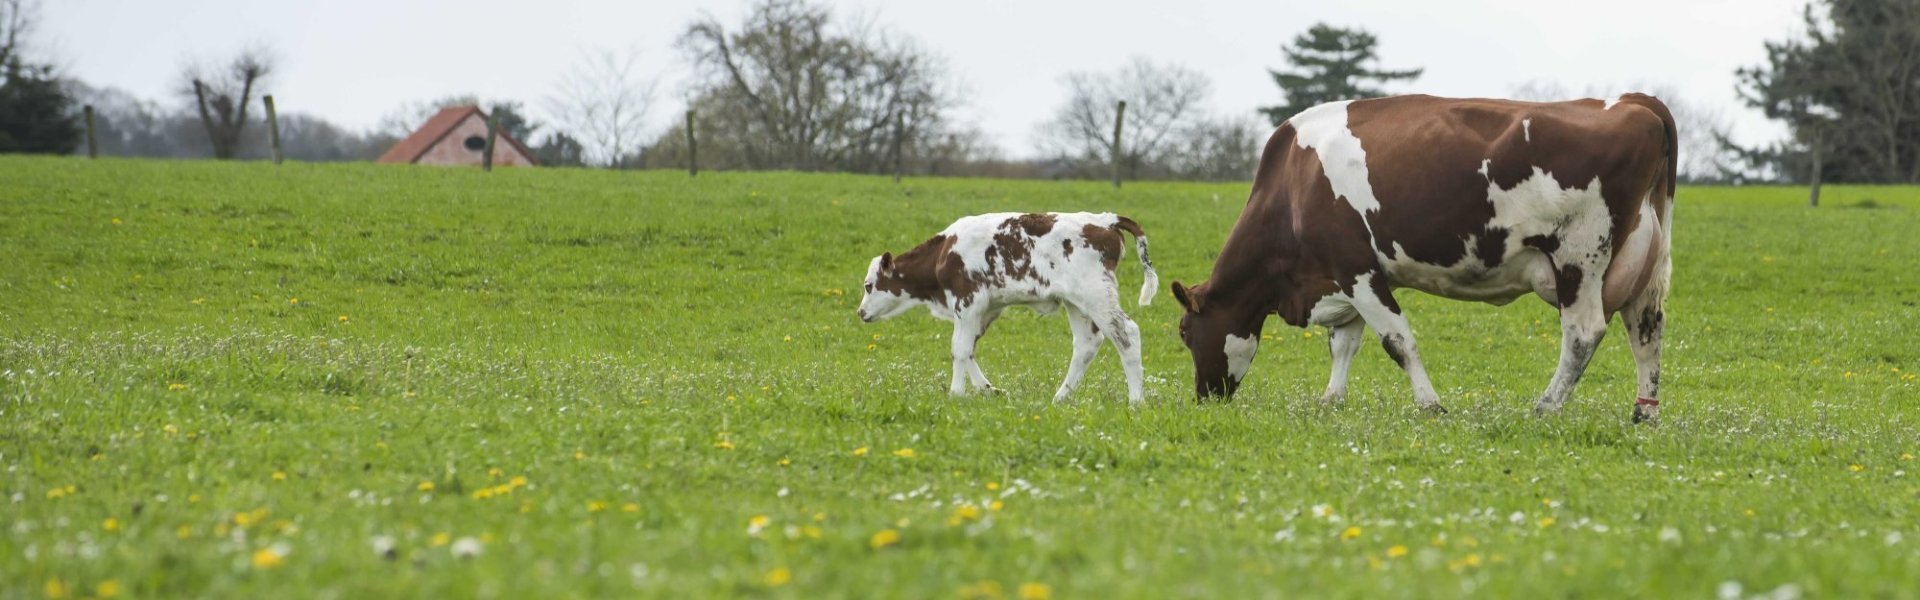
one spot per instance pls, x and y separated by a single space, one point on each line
1849 91
1330 63
36 113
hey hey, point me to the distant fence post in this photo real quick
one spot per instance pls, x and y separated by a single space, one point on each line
1813 195
1119 120
899 131
93 148
493 130
273 128
693 149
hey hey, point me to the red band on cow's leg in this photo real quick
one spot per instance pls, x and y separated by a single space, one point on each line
1646 402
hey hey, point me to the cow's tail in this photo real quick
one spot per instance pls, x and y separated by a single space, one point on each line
1152 283
1665 186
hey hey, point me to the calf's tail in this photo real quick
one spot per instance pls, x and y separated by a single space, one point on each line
1152 283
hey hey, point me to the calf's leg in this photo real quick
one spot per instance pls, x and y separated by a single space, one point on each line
1086 344
1343 343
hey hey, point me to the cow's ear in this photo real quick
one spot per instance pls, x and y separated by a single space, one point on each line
886 262
1187 298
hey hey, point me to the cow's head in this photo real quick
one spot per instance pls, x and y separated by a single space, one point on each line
1222 338
883 298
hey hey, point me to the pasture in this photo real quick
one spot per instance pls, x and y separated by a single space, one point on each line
231 380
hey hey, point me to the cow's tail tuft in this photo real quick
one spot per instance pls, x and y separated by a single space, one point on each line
1152 284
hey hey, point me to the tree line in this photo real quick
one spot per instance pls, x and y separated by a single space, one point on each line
795 86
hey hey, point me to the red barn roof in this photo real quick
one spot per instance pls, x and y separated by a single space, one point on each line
410 150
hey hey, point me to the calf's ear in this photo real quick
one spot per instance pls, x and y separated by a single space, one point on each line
1186 297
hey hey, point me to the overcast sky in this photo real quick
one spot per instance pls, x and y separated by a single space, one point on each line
354 61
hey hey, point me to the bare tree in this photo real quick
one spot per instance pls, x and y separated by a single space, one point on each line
792 88
17 20
602 102
1225 148
1704 156
1163 101
222 95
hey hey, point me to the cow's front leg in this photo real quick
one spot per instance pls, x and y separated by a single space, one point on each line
1086 345
1376 305
1343 343
1583 322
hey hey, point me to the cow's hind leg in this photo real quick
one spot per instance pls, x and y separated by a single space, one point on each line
1343 343
1377 306
1583 322
1086 344
1645 319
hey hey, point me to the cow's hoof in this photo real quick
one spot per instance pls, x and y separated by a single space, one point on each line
1333 400
1434 409
1642 415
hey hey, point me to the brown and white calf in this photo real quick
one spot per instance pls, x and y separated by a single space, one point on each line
983 264
1469 199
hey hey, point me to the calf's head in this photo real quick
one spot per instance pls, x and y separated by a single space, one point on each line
884 297
1221 336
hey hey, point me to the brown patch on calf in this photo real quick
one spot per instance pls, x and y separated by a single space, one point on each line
1106 241
917 273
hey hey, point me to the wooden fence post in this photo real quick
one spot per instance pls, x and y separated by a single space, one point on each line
93 148
1813 194
273 128
899 131
693 149
1119 119
493 131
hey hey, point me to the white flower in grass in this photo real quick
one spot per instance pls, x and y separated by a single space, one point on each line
466 547
1893 538
1728 590
1669 534
383 547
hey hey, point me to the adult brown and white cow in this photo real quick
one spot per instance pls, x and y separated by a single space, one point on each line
980 265
1470 199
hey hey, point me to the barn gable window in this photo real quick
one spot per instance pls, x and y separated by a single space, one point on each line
475 143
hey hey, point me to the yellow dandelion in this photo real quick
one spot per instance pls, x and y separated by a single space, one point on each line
904 453
1906 456
176 387
884 538
759 521
184 532
579 455
630 508
779 577
996 506
723 445
1546 522
55 587
1856 468
964 513
425 486
495 473
111 524
293 301
107 589
279 475
1350 533
1472 560
343 318
812 532
267 558
1748 513
786 338
872 346
993 485
116 221
1396 551
861 451
518 481
819 517
440 539
1035 591
784 461
596 506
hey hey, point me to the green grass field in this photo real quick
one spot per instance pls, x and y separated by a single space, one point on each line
231 380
